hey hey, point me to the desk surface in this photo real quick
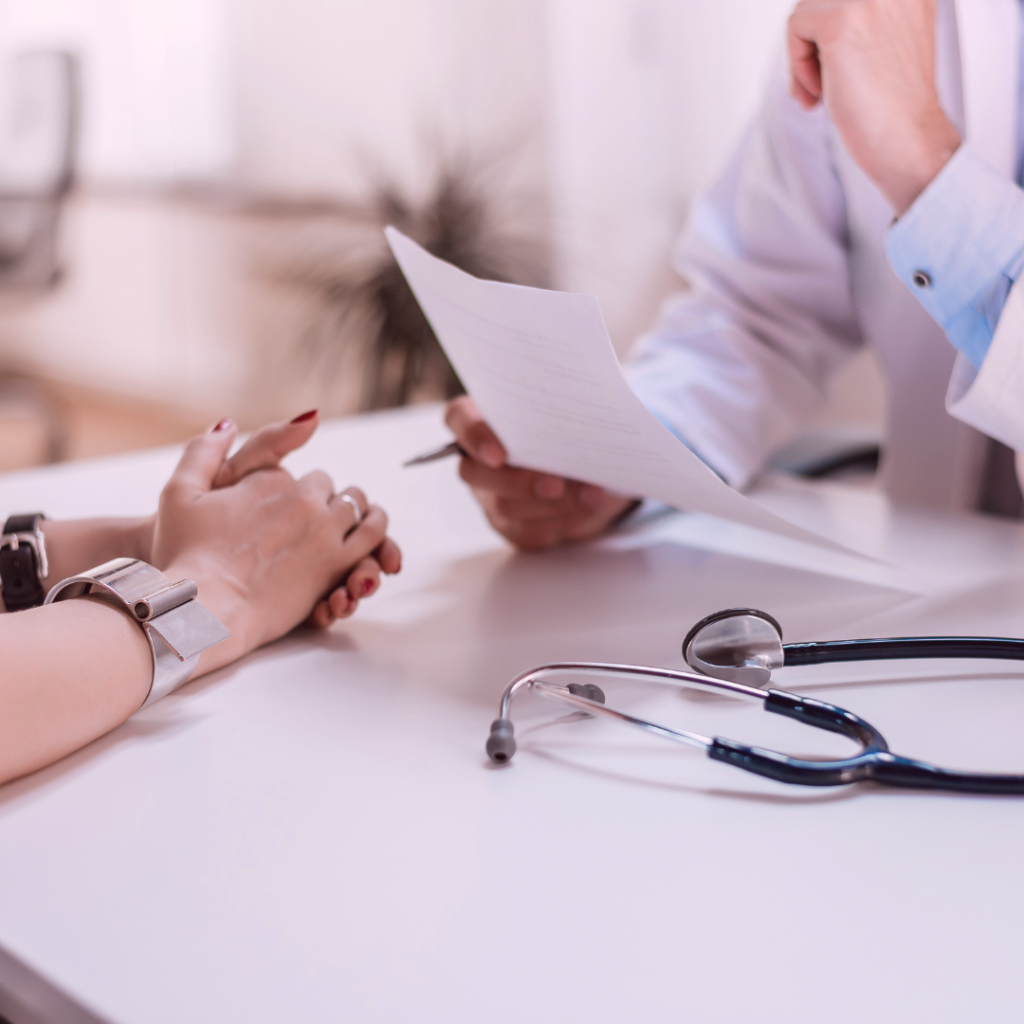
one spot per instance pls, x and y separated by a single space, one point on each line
313 834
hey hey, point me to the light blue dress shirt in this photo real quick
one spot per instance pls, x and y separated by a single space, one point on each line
960 248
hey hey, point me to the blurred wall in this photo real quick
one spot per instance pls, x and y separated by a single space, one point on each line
290 97
616 113
193 108
647 98
329 92
156 80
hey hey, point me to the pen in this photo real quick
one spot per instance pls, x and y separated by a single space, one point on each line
452 448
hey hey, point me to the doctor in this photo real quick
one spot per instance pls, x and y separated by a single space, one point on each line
874 201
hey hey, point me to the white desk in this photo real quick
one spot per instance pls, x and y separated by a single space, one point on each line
313 835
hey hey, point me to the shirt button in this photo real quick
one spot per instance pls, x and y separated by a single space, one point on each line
922 279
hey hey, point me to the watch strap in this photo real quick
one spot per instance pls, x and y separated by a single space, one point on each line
22 562
23 522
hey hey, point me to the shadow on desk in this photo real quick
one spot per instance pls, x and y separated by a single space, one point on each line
482 620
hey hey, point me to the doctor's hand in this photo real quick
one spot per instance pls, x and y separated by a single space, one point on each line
872 63
532 510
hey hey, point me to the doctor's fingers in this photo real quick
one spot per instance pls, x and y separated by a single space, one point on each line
472 432
608 512
804 61
512 482
576 501
804 73
576 522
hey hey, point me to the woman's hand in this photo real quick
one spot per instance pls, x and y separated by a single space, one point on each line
361 582
73 546
264 450
266 447
267 550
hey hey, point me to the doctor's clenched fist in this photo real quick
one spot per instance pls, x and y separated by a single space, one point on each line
872 63
532 510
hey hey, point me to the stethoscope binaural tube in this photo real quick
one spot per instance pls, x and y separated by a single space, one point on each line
874 762
589 697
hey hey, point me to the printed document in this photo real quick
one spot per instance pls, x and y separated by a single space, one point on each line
543 372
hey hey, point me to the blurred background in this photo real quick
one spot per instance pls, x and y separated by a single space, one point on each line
191 192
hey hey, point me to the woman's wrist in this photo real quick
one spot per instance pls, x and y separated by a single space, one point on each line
137 538
218 594
75 545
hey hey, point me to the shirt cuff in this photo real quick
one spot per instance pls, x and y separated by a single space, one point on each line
957 246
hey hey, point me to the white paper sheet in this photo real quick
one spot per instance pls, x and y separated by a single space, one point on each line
543 372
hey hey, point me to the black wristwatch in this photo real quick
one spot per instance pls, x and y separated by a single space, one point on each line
23 561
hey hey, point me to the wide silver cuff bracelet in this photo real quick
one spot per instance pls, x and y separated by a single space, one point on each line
178 627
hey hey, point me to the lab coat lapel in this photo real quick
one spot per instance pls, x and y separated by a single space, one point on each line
989 62
989 398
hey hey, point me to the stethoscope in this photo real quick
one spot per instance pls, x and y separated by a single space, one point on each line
734 652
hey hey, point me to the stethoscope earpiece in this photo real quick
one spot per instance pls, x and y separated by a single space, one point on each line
501 744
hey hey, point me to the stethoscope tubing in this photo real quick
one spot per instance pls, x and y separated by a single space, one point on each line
886 648
875 762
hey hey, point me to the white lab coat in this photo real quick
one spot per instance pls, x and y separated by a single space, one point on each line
787 258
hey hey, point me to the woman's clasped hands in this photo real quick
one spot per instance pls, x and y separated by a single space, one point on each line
266 550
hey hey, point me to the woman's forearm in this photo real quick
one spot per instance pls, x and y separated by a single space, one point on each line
70 672
265 551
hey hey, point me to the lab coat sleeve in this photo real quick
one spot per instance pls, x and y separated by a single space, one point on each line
960 248
738 365
992 398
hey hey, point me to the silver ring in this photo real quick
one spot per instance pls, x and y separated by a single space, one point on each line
354 505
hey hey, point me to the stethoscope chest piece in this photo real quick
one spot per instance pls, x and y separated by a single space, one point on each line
741 645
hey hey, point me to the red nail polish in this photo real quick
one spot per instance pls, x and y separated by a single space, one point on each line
367 586
223 425
305 416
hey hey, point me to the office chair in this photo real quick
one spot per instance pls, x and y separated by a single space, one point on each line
38 135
